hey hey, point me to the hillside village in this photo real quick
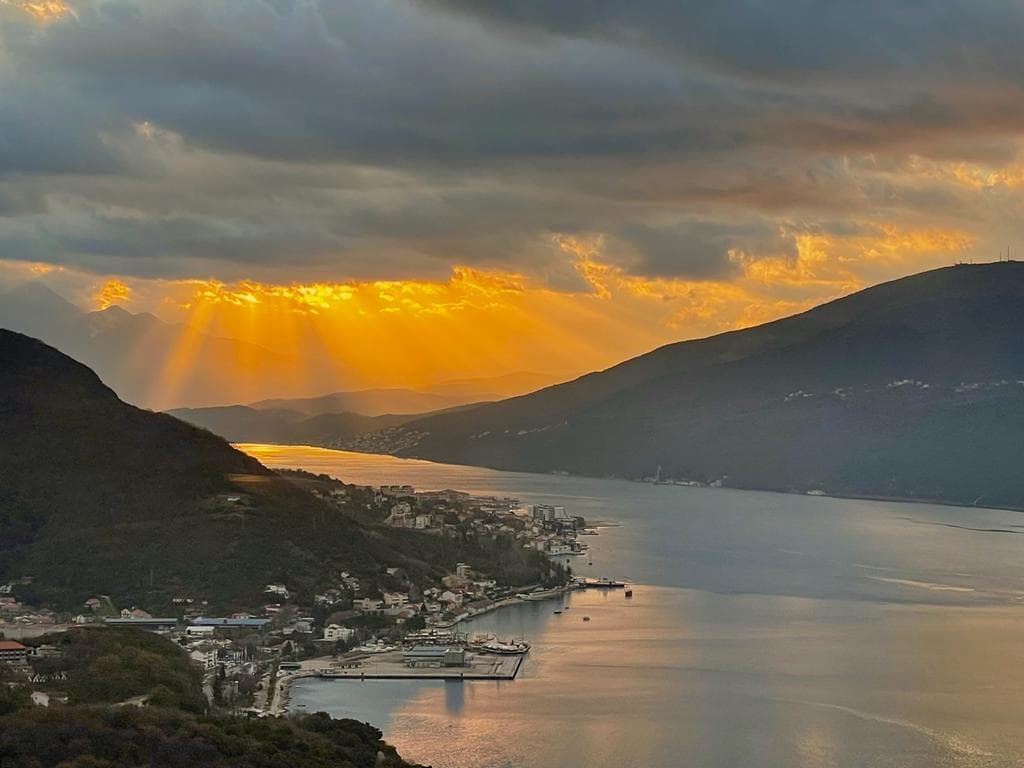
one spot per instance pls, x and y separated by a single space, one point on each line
239 652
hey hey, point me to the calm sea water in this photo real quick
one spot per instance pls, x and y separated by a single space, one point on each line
766 630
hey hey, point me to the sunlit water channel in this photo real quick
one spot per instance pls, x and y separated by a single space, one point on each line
765 630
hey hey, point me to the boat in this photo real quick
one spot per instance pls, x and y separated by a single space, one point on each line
558 612
514 648
602 583
544 594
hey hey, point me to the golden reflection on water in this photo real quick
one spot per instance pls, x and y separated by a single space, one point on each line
728 680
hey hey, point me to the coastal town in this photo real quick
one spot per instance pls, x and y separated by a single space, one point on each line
381 625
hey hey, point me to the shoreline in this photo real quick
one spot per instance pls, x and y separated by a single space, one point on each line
554 473
280 706
504 603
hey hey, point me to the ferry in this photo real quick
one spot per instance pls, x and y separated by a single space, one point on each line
602 583
514 648
499 647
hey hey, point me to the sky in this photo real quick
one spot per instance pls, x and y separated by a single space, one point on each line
440 188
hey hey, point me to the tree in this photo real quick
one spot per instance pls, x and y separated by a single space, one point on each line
218 686
13 697
416 622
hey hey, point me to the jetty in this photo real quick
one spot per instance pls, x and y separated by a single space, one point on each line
477 667
398 665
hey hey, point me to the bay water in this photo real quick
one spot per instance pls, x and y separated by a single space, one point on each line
765 630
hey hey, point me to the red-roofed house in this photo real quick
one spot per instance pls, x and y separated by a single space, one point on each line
13 652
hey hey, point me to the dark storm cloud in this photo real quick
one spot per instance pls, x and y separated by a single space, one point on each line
702 246
364 137
971 39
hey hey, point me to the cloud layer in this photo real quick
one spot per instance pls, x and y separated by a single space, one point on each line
289 140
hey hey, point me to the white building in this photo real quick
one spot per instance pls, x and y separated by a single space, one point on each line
401 515
335 632
208 659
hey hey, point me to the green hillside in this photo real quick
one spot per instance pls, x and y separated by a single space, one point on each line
100 497
909 389
105 667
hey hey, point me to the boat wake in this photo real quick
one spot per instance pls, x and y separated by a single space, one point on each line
950 741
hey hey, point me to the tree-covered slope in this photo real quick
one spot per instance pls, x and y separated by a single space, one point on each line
103 667
908 389
100 497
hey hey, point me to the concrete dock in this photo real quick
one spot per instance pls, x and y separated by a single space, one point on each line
391 666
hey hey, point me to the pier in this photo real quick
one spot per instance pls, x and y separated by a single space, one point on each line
478 667
393 666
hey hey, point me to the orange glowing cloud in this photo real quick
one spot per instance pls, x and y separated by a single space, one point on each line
312 337
486 322
113 291
42 11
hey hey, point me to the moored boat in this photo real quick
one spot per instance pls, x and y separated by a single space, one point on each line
491 644
514 648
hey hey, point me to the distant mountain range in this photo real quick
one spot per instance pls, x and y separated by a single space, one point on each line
369 402
244 424
910 389
147 360
100 497
162 365
377 402
334 419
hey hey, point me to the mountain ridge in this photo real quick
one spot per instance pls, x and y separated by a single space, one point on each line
244 424
100 497
135 351
901 390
